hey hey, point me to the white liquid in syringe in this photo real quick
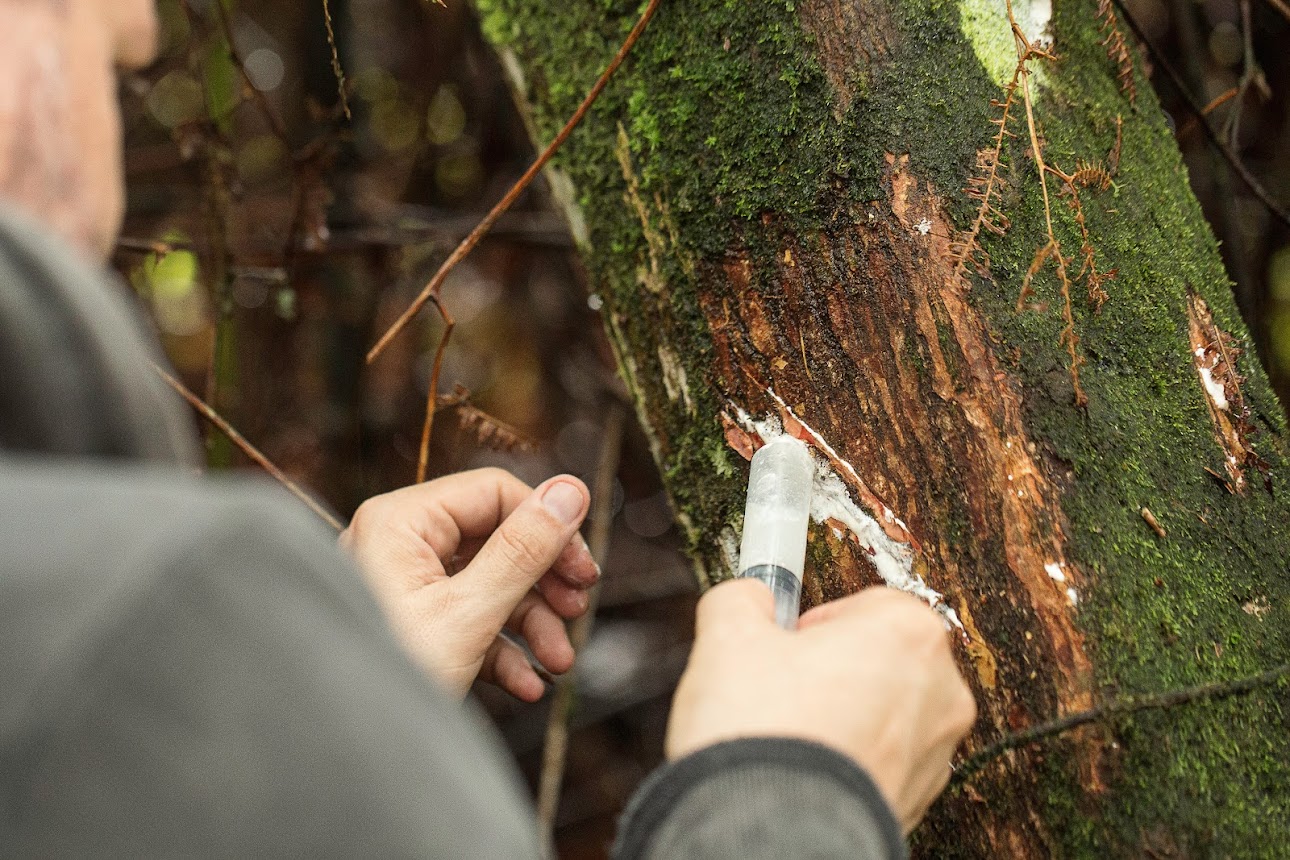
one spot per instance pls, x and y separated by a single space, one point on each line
773 548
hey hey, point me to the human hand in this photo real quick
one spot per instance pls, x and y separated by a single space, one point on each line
455 560
870 676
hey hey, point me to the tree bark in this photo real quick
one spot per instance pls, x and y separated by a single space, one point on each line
797 218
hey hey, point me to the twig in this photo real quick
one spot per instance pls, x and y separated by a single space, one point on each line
216 258
1281 6
1233 160
1117 708
1219 100
247 448
469 243
261 100
557 727
337 69
1150 519
151 246
222 365
432 396
160 248
1249 74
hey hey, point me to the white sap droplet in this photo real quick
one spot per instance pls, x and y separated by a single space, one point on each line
1214 388
831 502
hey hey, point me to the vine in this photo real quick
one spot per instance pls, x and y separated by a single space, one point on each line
430 293
1126 706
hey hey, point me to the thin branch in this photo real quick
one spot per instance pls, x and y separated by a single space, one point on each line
1117 708
151 246
469 243
1249 74
261 100
161 248
222 367
337 69
557 727
1281 6
432 397
247 448
1233 160
1219 100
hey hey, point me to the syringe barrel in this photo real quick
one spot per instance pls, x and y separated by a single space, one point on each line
784 586
776 516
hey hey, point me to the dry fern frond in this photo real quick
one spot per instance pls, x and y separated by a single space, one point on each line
488 431
983 187
1117 49
1091 175
1094 279
1113 157
491 432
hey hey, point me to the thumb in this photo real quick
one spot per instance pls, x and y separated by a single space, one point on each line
523 547
734 604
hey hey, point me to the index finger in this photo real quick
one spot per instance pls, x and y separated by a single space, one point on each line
866 600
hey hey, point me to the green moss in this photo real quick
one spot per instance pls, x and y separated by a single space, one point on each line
1145 441
723 135
985 26
719 454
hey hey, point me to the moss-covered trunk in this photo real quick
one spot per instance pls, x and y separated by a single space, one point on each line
796 213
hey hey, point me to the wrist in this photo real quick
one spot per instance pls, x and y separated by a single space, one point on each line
771 786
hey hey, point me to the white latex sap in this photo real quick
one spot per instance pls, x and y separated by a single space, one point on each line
773 548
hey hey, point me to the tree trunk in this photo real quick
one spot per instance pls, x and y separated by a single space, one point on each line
1053 433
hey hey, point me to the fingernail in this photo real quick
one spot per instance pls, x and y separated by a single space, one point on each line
582 546
563 500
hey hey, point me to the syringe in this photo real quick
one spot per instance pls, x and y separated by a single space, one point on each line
778 509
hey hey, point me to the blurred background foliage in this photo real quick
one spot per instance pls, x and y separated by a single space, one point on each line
275 230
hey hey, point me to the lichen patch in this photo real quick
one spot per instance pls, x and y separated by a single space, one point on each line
650 272
674 378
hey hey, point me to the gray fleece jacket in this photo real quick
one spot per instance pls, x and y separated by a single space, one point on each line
189 667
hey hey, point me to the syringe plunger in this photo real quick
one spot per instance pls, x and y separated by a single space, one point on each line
778 510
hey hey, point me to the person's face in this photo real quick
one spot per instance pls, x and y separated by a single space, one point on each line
60 157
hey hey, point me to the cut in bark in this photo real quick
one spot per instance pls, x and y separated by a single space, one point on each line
961 260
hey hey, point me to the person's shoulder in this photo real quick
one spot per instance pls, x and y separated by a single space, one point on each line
154 626
87 542
102 510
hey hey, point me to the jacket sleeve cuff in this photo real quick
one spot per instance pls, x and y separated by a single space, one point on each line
760 797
